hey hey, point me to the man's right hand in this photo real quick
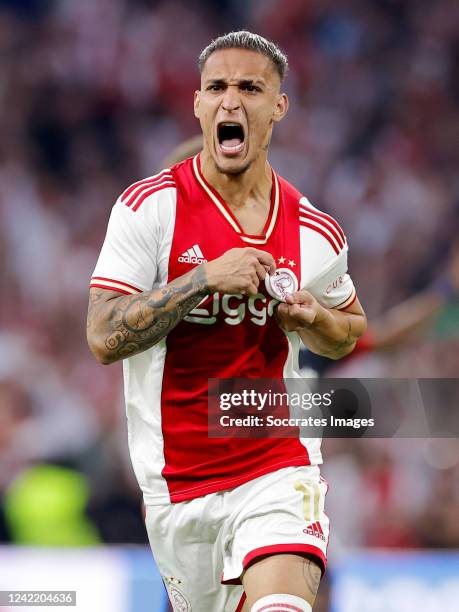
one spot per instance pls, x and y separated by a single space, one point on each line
239 271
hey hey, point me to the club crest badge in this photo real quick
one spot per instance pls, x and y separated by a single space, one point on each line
281 284
178 600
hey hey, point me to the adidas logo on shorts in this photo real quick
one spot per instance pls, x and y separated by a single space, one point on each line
193 255
315 530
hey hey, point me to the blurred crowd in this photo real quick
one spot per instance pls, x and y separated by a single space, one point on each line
94 94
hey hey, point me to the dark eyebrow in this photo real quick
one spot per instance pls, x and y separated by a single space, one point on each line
246 82
242 83
216 82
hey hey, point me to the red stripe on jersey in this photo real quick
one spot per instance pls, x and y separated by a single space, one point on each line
112 280
110 288
344 302
320 231
319 213
147 182
148 192
324 224
143 188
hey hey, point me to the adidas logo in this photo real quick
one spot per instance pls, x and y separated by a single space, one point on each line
193 255
315 530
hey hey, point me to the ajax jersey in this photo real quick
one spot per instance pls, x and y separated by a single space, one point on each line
159 229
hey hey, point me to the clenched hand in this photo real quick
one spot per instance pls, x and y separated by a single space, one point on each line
300 311
239 271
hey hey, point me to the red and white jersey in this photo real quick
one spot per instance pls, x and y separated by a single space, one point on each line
159 229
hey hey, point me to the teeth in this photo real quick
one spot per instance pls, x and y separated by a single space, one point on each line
234 149
225 135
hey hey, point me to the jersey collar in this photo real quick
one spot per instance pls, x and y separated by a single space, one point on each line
227 213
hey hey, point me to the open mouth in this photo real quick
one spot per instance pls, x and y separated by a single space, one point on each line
230 138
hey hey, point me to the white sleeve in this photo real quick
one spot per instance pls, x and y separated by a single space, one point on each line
130 255
333 288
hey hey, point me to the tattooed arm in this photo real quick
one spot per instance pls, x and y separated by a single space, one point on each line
121 326
282 573
325 331
312 575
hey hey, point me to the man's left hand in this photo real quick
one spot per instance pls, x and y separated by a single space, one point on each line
298 312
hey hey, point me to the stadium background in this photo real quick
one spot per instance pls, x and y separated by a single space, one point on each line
93 95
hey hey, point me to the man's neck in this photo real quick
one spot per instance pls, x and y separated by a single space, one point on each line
236 190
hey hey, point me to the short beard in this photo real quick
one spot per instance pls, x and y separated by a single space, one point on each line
237 172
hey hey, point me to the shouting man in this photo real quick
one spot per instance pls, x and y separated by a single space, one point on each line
219 268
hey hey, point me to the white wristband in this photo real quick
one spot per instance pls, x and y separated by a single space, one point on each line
282 602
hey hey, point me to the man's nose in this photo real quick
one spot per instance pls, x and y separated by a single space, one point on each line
231 100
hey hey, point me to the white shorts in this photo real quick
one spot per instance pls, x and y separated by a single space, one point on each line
203 546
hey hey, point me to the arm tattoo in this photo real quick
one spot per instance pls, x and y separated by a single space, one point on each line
312 575
348 340
135 323
95 299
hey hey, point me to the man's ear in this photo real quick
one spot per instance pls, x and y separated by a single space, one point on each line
281 107
197 99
